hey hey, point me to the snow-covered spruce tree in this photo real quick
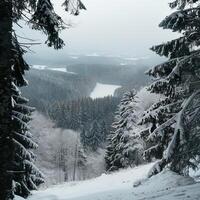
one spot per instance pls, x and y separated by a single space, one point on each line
173 137
94 139
83 138
103 132
18 174
124 147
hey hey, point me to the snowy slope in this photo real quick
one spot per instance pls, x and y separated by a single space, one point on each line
105 183
103 90
125 185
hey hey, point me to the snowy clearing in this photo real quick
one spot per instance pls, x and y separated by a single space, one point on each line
123 64
103 90
137 58
60 69
93 55
39 67
74 57
122 180
125 185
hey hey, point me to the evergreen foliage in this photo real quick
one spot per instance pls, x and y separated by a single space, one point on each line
93 137
173 135
18 173
74 7
92 118
53 86
124 147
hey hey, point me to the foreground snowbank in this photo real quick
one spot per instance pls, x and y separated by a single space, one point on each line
103 90
116 181
125 185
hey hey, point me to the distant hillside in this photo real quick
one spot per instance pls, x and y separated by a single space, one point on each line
46 86
49 86
94 59
110 74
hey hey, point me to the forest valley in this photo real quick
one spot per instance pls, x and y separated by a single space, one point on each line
63 133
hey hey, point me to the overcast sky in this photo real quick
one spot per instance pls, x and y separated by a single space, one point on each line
110 27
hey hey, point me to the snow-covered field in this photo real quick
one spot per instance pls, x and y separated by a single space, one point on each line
130 184
103 90
44 67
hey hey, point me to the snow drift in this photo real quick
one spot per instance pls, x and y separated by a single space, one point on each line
125 185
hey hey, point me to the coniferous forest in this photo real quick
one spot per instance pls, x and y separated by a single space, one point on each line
103 117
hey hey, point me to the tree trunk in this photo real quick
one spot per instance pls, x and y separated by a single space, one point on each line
6 146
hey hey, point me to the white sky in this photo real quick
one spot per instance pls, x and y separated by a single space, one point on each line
111 27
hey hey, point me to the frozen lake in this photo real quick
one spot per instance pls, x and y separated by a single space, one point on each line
103 90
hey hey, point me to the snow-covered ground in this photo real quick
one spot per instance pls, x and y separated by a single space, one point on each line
123 64
39 67
60 69
103 90
130 184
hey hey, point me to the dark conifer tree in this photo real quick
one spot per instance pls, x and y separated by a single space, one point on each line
17 171
103 132
80 115
83 115
173 137
94 136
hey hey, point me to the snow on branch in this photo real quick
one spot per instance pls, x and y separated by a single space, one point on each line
24 108
157 167
162 69
23 151
20 99
149 114
32 168
182 65
20 122
179 129
182 46
27 140
159 130
25 118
